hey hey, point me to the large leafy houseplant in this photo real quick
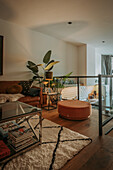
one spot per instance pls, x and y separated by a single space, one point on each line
47 67
59 82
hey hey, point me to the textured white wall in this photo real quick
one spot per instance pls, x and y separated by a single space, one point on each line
90 60
90 64
21 45
86 63
82 60
71 59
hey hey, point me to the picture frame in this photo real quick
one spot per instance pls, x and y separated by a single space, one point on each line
1 55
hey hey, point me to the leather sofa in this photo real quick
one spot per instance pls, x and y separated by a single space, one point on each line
32 100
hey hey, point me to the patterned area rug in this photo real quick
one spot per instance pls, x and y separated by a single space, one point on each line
59 145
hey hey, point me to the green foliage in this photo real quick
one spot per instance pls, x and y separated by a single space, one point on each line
59 82
50 65
67 75
33 67
47 56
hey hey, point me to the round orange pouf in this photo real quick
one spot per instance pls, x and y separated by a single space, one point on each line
74 109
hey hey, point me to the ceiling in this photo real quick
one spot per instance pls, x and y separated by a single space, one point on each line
92 20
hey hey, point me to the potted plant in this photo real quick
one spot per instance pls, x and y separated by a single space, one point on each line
49 65
47 68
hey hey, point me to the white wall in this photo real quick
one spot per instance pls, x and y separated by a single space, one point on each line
82 60
90 64
90 60
72 59
86 63
21 45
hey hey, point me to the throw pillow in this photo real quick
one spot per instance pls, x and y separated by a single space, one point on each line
25 86
3 99
34 92
14 97
14 89
10 97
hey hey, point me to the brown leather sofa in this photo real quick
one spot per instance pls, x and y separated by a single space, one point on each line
34 101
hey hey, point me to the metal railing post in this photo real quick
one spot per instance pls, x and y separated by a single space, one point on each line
100 104
78 86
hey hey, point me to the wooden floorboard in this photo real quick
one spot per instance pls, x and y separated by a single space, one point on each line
97 155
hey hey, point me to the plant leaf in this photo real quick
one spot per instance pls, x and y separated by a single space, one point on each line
47 57
31 64
51 64
67 75
35 69
34 77
40 64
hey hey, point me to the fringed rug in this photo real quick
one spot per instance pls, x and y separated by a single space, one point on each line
59 145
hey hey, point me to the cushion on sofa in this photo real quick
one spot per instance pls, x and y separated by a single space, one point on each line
26 85
3 99
10 97
35 101
34 92
28 99
5 84
14 89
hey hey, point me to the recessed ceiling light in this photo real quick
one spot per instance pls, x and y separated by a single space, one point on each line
69 22
103 41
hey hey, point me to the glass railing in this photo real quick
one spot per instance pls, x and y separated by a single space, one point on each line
98 90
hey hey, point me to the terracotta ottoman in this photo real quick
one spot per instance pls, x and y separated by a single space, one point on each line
74 109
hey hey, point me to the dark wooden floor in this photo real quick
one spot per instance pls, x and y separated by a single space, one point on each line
97 155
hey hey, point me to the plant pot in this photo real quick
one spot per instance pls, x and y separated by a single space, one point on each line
49 75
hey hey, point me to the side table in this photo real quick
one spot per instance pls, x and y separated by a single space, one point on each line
44 94
50 106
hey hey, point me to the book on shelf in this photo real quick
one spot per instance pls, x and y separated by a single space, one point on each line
23 146
19 134
4 150
5 127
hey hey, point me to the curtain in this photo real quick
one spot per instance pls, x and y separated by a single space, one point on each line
106 69
106 65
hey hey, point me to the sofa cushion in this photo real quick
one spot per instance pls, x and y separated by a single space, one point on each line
14 89
3 99
36 103
28 99
5 84
34 92
25 86
10 97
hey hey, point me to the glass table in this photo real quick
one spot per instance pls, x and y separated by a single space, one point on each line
20 112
